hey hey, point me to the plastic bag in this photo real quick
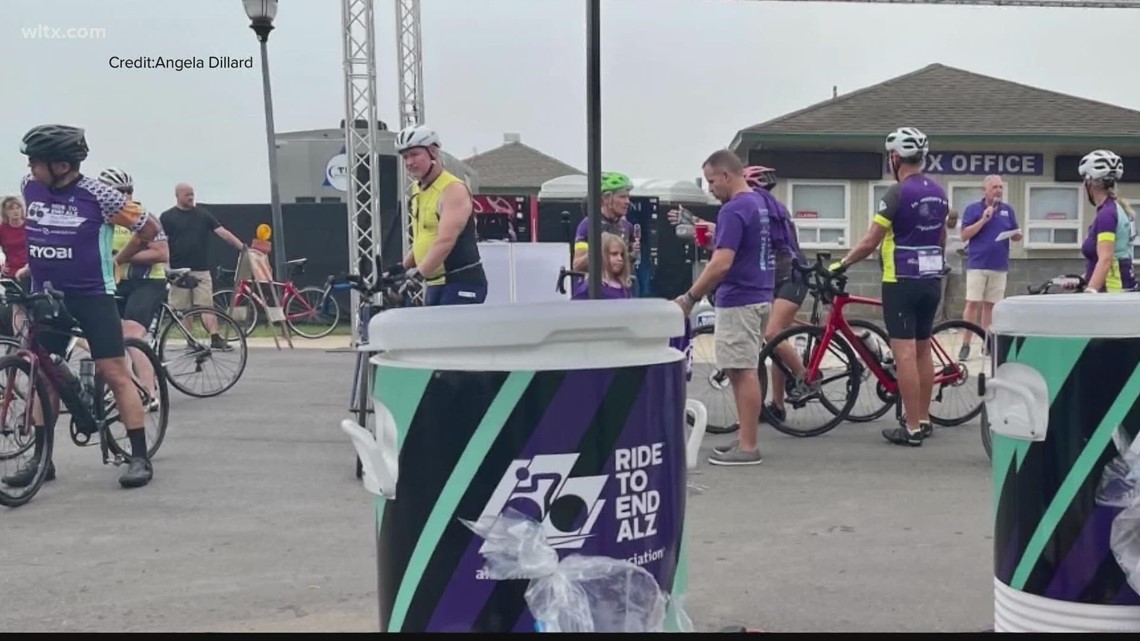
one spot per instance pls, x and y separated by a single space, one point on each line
1120 487
579 593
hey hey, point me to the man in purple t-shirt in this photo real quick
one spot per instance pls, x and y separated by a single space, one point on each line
743 271
987 258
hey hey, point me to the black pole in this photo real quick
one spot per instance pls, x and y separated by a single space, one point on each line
594 141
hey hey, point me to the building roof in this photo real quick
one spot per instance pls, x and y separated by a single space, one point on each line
949 102
515 165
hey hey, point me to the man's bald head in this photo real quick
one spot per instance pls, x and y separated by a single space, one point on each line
184 195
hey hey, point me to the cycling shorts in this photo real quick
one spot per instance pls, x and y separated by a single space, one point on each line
794 290
97 316
140 298
909 307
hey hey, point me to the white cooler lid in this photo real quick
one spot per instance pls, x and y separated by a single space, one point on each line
1081 315
536 336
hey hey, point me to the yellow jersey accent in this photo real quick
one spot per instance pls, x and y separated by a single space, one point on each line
888 252
119 241
425 213
1113 281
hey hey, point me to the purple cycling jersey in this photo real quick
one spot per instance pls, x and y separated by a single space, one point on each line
70 234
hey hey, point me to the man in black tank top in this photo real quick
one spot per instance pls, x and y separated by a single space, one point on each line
453 245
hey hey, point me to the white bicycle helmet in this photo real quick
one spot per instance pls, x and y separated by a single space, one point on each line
1101 164
416 136
908 142
116 178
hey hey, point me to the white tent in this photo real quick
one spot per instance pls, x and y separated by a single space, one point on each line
667 191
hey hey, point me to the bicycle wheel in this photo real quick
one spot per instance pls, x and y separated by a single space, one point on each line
18 433
9 346
839 368
871 406
192 365
955 400
710 385
155 402
245 314
310 314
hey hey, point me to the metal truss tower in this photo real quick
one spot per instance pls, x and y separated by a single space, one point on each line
360 140
409 52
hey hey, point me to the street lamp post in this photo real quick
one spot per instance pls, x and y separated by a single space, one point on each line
261 14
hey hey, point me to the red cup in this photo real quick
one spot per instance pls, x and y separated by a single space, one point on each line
701 234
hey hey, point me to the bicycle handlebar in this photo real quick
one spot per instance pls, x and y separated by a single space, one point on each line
12 293
562 274
1067 281
356 282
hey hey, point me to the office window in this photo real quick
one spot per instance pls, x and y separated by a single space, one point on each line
330 199
822 214
304 200
962 195
1053 217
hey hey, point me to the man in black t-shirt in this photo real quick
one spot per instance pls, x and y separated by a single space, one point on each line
188 229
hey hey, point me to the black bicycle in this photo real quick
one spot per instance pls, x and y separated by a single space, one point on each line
374 298
28 377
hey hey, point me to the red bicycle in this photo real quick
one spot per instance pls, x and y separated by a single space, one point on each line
827 361
309 312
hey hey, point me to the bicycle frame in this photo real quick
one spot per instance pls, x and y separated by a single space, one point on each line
57 377
837 323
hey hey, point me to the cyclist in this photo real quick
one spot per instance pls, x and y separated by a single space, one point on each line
615 205
142 281
1104 271
69 232
910 222
445 253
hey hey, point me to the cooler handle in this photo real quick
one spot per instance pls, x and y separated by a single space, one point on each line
700 416
1022 412
378 456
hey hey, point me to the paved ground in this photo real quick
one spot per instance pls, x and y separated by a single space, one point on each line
255 523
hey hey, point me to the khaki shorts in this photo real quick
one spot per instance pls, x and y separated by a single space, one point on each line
739 336
985 285
182 299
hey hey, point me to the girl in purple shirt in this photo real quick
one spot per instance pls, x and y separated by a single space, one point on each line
616 281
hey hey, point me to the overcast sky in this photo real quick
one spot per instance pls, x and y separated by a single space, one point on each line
680 77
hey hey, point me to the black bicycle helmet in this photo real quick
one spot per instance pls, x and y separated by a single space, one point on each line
55 143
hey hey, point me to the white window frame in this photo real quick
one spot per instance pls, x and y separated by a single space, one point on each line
807 223
961 208
873 205
1026 223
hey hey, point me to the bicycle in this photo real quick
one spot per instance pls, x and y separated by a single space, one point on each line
360 397
87 398
820 350
303 308
722 417
186 355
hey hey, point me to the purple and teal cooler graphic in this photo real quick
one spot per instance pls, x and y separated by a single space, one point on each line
1051 534
596 455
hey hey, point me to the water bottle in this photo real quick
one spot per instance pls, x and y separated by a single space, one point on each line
872 345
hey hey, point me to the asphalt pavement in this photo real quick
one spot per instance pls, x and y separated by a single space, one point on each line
255 522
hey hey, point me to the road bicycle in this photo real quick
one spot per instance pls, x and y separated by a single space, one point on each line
711 386
308 311
384 294
87 398
182 342
827 360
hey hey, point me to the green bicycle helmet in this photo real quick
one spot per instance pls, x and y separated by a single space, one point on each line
613 181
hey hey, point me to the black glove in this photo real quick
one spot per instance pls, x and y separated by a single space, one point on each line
394 271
